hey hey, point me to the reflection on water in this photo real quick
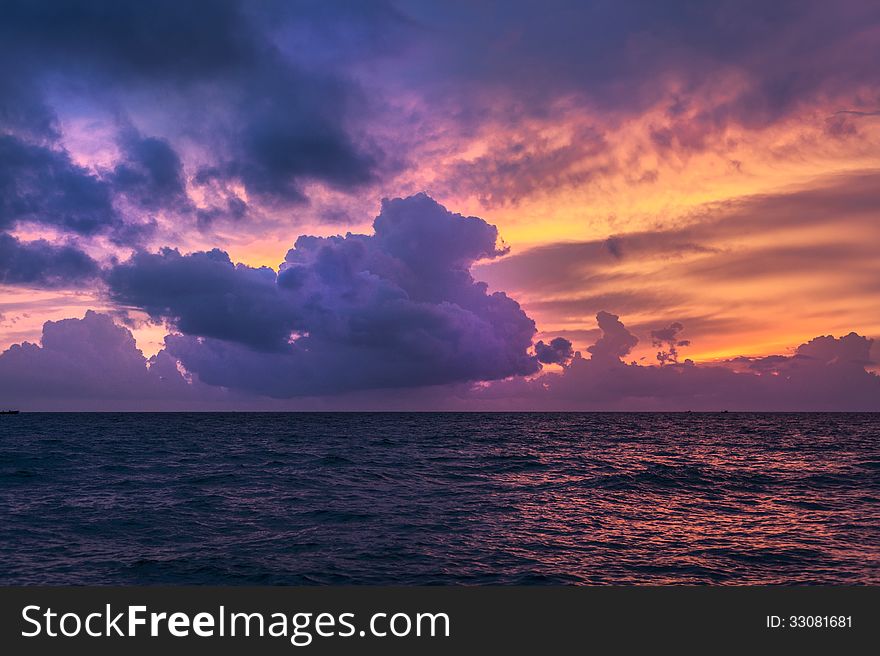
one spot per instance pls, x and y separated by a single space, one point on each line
440 498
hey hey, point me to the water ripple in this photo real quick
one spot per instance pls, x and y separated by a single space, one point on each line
439 498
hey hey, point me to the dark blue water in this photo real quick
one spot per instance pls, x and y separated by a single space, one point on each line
439 498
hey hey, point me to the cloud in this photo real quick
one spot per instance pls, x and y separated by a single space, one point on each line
624 56
558 351
666 339
216 86
150 174
616 341
827 349
40 185
42 264
551 269
275 96
398 308
207 295
621 109
93 363
43 185
519 167
824 374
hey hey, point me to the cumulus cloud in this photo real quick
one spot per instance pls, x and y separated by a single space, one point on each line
851 348
397 308
558 351
93 363
205 294
826 373
616 341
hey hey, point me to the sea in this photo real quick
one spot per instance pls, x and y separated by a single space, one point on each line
439 498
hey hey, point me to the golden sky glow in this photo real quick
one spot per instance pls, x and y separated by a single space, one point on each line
586 196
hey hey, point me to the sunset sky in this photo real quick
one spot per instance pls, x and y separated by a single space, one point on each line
708 173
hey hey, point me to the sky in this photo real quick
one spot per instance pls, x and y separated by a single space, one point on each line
440 205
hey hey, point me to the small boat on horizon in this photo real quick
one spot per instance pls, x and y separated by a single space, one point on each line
8 412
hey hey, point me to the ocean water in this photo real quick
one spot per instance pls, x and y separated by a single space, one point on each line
439 498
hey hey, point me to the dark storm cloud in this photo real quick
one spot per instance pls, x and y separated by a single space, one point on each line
557 351
281 127
224 83
397 308
276 149
207 295
160 39
150 174
42 264
41 184
211 74
22 109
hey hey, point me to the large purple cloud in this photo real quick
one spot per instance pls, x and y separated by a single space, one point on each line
398 308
